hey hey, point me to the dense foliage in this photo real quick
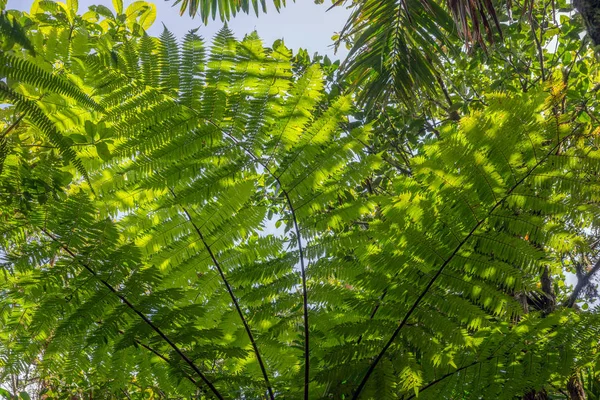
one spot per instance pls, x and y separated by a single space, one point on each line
220 219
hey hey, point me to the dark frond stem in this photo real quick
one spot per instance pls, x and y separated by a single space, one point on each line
375 309
139 313
457 370
232 295
449 374
304 295
12 126
443 266
164 358
168 361
300 252
337 3
161 356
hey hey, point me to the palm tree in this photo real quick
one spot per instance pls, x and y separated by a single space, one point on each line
397 45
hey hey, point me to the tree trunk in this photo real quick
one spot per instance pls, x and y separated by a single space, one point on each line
536 395
545 303
549 300
575 388
590 12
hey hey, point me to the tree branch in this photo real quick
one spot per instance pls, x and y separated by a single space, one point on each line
538 45
582 283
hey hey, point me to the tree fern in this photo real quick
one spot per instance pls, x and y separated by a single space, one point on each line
232 241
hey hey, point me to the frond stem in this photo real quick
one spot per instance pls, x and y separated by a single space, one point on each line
162 357
443 266
304 295
12 126
139 313
232 295
449 374
300 252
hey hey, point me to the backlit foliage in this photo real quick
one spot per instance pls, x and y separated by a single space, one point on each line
204 218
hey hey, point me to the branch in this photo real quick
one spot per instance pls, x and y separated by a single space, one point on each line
443 266
139 313
232 295
538 45
582 283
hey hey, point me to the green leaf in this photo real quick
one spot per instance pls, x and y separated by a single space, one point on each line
245 222
118 6
584 117
73 7
103 152
90 129
77 138
143 11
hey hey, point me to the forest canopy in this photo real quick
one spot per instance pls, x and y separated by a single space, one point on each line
225 218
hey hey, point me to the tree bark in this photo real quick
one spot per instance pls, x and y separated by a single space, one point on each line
536 395
583 280
590 12
549 300
575 388
545 303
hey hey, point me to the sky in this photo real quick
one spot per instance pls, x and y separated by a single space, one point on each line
302 24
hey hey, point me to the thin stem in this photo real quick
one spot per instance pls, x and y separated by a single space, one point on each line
139 313
158 354
166 359
534 23
300 252
304 296
449 374
375 309
12 126
477 362
232 295
441 269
